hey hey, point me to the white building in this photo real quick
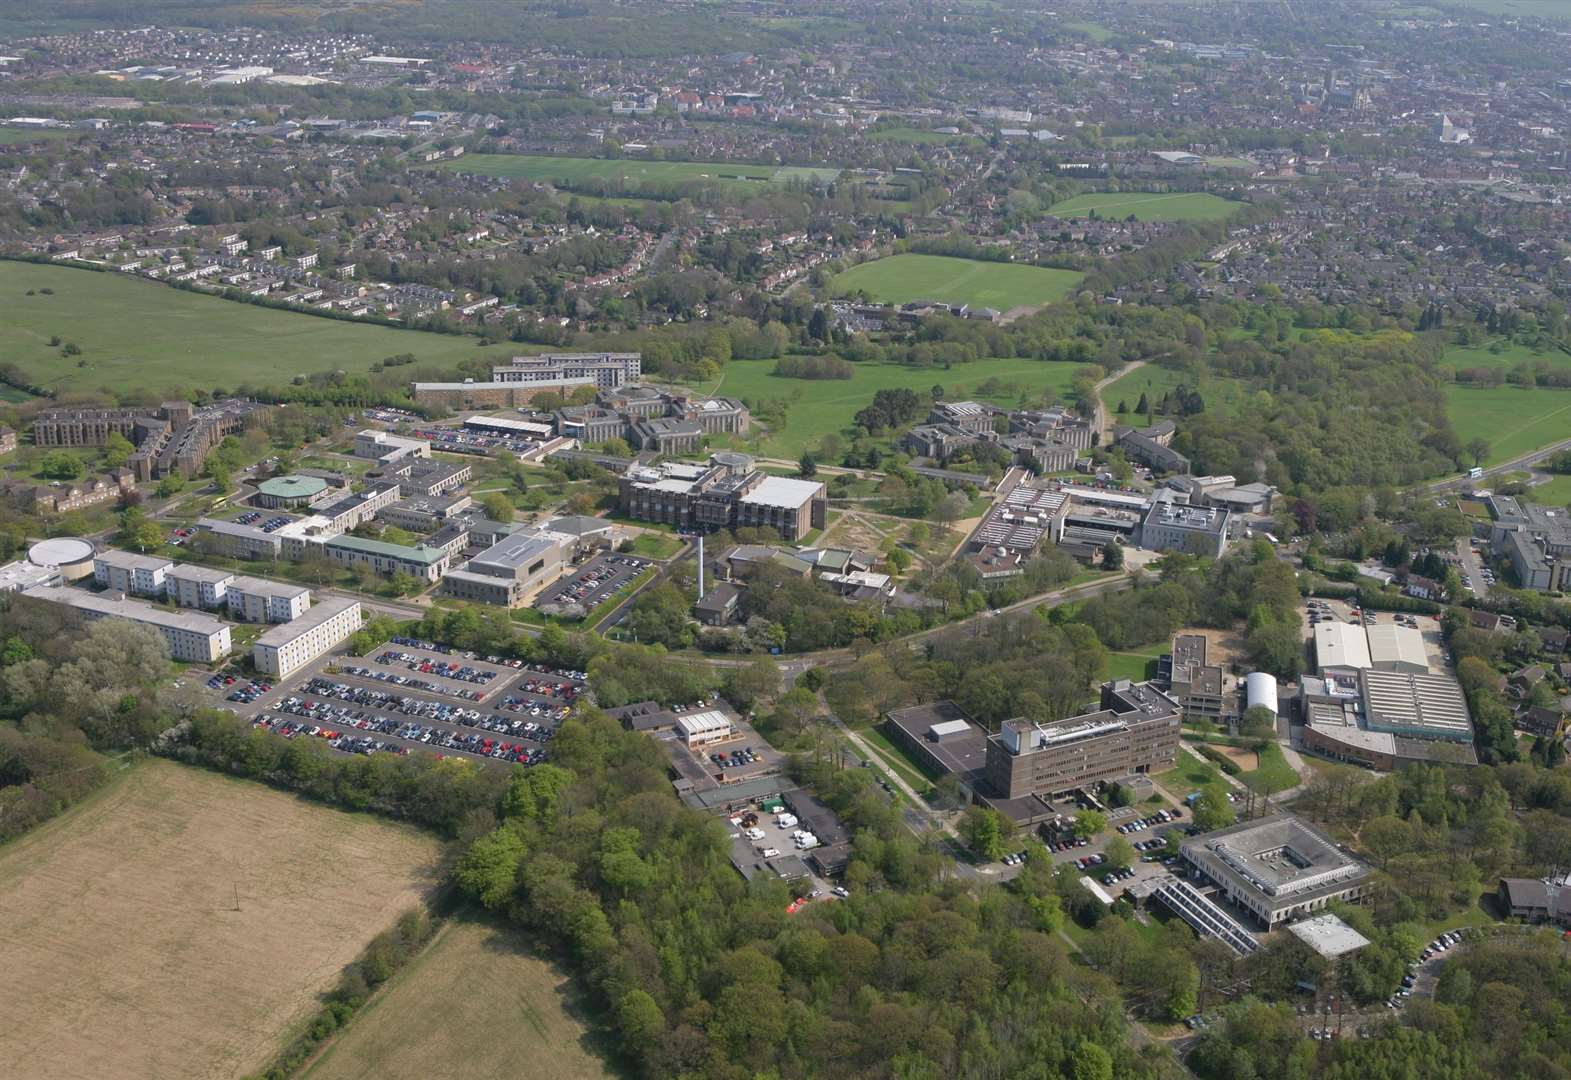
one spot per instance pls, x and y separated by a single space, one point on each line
258 600
386 448
198 586
195 638
134 575
286 648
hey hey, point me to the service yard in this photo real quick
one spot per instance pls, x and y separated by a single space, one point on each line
180 923
422 1025
407 695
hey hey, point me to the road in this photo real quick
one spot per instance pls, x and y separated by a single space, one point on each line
1521 461
1103 420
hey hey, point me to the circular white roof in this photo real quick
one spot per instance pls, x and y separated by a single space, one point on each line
60 551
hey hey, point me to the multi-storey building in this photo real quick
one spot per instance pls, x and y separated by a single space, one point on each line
605 370
202 587
173 438
191 637
509 573
1196 685
1135 730
132 574
726 493
288 647
257 600
425 563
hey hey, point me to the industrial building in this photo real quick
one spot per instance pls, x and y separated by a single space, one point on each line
1380 646
286 648
1277 868
192 637
1384 720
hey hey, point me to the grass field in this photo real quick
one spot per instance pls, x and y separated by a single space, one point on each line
570 171
819 407
138 335
1221 394
918 135
901 278
1147 206
1273 774
19 136
423 1025
1557 492
124 954
1511 419
1502 354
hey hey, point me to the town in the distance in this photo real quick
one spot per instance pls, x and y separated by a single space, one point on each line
785 541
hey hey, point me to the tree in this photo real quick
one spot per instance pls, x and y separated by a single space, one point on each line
489 869
985 830
1091 1062
117 450
1088 823
59 465
950 508
147 536
1213 810
498 507
1120 852
1478 449
756 683
807 466
1112 556
1258 722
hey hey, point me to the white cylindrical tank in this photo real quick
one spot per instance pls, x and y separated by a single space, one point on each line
72 554
1260 689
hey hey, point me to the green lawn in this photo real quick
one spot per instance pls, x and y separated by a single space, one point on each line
901 278
140 335
1188 774
1511 419
1220 393
1095 31
571 171
918 135
819 407
1131 666
1274 773
651 545
1503 354
897 759
19 136
1557 492
1148 206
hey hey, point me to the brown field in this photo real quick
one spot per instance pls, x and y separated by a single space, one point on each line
122 950
474 1005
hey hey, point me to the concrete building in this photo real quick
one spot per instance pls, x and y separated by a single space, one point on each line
286 648
71 555
509 573
1150 448
22 575
1135 730
1534 539
174 437
604 370
1193 530
202 587
424 513
134 575
424 563
1384 720
429 478
726 493
1196 685
291 492
1277 868
385 448
191 637
257 600
241 541
705 728
942 737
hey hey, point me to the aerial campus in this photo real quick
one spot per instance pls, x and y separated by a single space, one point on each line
809 540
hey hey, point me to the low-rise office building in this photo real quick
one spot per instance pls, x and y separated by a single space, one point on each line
385 448
509 573
1197 686
425 563
192 637
726 493
1277 868
1193 530
942 737
424 513
288 647
240 541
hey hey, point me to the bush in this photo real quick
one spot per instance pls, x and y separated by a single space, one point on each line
1220 760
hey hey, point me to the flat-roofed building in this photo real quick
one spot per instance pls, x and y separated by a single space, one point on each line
425 512
257 600
726 493
1277 868
132 574
1193 530
1424 706
607 370
429 478
427 564
510 572
240 541
384 448
198 586
191 636
942 737
794 507
1196 685
704 728
1135 731
288 647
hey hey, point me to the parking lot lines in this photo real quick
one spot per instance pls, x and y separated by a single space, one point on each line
595 582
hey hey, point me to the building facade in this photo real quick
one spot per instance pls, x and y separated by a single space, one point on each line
286 648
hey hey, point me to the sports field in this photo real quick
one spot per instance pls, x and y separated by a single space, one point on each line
137 334
124 954
477 1004
902 278
824 406
570 171
19 136
921 135
1511 419
1147 206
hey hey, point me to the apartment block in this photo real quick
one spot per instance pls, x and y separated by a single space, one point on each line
132 574
198 586
257 600
288 647
191 637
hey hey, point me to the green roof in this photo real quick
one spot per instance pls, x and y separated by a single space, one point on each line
422 554
293 487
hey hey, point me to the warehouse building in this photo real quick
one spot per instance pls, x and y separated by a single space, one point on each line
1277 868
1396 648
1341 645
192 637
286 648
1384 720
